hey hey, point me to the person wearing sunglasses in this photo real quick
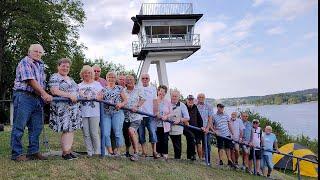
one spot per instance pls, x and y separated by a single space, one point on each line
255 143
148 122
97 74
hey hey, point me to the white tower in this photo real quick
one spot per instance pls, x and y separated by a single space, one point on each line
166 34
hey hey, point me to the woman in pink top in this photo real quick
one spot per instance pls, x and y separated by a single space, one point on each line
162 109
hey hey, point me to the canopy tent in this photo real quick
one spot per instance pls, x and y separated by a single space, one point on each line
285 162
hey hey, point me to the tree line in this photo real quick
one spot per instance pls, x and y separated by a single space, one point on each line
307 95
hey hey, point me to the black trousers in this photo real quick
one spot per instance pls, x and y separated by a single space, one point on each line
163 138
176 142
191 143
125 132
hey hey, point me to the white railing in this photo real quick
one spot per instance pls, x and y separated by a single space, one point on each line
165 41
166 8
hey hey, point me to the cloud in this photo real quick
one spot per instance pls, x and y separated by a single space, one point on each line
310 35
275 31
231 77
257 3
286 9
107 30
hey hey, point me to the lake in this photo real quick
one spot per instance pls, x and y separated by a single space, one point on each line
295 118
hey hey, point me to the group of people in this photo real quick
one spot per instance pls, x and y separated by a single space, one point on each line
123 126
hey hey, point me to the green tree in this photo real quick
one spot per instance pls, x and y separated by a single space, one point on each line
52 23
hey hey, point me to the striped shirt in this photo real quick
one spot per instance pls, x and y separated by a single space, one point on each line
28 69
221 122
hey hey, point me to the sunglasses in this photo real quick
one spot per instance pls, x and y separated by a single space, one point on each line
144 78
97 71
255 122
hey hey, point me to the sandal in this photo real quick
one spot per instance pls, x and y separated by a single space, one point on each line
156 156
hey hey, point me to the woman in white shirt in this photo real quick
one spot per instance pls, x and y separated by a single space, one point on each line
89 89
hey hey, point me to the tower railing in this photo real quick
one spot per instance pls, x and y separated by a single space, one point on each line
165 41
166 8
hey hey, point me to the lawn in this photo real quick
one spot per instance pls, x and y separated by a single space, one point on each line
110 168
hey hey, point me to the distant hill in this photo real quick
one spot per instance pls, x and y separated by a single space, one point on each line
296 97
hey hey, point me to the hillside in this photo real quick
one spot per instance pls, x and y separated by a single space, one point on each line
296 97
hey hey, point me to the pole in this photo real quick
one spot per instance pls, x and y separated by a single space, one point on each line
206 149
45 136
254 162
103 141
298 167
11 113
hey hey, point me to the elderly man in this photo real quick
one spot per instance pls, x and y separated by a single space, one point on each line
246 139
179 115
222 126
270 142
206 112
149 122
255 143
237 127
28 98
97 73
195 120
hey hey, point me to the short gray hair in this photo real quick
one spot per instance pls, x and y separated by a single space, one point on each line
63 61
32 46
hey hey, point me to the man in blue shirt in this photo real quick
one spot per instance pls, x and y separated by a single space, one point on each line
246 139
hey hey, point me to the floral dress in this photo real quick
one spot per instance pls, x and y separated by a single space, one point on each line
112 95
64 116
134 97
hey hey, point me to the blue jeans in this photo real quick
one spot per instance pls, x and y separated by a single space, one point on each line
266 161
115 121
151 125
27 112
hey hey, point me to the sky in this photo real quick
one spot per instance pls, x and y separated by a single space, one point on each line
248 47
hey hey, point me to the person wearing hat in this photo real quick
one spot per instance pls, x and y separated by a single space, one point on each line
195 120
223 128
255 143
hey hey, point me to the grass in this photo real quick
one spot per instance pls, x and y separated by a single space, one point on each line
110 168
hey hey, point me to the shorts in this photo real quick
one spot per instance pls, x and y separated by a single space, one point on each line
257 154
198 136
135 124
223 143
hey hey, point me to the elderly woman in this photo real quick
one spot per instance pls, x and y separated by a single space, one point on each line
89 89
162 108
65 117
136 98
113 117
